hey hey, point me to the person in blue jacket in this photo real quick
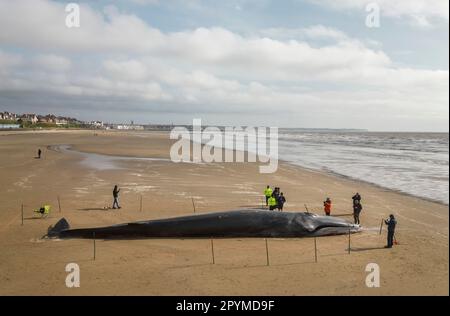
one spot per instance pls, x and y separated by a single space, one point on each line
391 224
281 201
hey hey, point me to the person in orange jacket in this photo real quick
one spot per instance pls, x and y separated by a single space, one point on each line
327 207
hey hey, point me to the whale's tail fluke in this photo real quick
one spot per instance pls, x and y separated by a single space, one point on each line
53 231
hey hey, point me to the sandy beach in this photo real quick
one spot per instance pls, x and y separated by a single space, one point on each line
30 265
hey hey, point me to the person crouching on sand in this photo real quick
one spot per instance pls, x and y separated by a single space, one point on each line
327 207
116 198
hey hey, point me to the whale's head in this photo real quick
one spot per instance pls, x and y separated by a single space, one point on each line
318 225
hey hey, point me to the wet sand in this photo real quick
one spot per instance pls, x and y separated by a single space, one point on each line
32 266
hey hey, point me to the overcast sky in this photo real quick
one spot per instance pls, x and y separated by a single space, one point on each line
285 63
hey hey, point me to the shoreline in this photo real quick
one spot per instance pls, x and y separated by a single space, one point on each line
320 172
166 133
397 191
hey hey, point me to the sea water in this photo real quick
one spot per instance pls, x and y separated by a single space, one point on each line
412 163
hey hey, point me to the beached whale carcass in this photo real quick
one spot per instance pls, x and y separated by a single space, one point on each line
240 223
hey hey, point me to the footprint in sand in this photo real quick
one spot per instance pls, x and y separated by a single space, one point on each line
24 182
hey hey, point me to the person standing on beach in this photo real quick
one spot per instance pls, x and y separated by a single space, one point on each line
273 204
268 193
276 192
357 208
281 201
39 153
116 198
356 199
391 224
327 207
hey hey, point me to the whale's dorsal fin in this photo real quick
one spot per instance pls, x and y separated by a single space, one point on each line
61 225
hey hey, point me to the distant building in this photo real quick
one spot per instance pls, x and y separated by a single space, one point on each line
47 119
159 127
97 124
30 118
8 116
130 127
61 121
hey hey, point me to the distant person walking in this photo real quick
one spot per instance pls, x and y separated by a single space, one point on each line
39 153
116 198
391 224
273 204
357 208
268 193
281 201
356 199
327 207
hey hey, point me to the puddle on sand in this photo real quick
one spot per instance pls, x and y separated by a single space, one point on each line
139 188
102 162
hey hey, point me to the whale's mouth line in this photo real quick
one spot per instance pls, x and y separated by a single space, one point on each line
335 230
334 226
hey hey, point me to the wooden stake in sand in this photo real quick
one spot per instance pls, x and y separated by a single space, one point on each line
381 226
315 249
349 241
212 251
267 252
193 204
59 204
95 250
22 214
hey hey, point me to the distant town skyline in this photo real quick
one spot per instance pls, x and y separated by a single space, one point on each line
291 63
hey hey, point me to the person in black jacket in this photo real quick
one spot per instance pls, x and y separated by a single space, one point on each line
281 201
356 199
391 223
357 208
276 193
116 198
